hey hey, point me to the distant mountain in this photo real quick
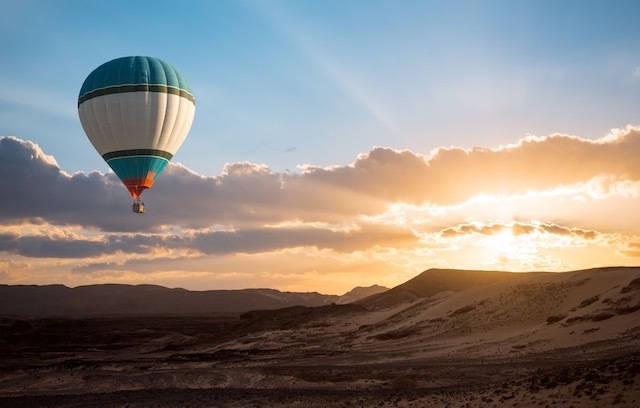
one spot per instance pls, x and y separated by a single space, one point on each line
433 281
117 299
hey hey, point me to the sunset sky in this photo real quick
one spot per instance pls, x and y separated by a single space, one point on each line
335 143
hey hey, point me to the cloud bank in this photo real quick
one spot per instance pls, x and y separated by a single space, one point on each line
251 194
390 205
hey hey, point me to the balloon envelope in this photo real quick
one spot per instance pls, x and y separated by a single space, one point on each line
136 111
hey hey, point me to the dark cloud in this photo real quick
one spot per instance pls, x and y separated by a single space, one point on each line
517 228
52 246
208 242
270 239
560 230
34 188
466 229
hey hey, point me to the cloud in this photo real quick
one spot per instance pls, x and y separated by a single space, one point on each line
249 196
270 239
632 250
565 231
475 228
53 246
10 270
248 241
453 175
517 228
33 186
8 264
118 267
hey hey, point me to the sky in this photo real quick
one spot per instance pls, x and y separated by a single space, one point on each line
335 143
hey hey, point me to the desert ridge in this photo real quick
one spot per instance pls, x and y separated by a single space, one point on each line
525 315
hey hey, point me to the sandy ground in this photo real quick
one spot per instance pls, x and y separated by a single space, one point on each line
556 340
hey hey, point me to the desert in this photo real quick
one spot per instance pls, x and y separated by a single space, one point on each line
447 338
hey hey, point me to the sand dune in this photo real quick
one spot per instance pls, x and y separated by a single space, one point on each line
521 317
566 339
434 281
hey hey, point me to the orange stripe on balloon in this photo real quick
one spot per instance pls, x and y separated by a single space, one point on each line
137 186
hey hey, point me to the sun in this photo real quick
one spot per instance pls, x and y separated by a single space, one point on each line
505 249
504 241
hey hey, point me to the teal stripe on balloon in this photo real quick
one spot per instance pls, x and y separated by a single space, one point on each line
137 167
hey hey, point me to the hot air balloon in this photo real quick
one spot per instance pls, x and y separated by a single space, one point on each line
136 111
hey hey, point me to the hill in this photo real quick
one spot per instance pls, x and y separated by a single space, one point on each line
434 281
116 299
532 314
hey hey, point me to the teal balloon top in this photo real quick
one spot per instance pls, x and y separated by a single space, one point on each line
132 74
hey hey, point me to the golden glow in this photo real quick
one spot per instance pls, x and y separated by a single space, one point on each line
503 244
